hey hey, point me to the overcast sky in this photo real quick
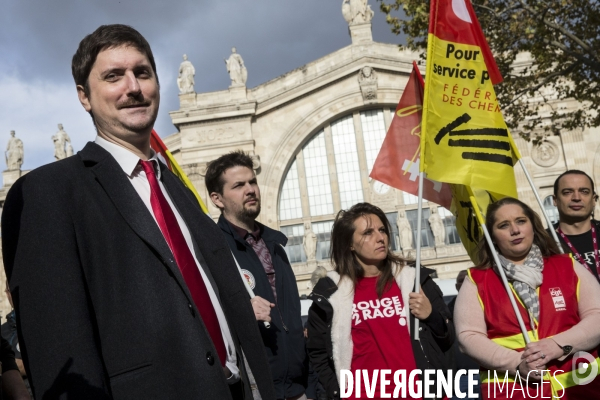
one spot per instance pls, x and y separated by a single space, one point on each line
38 39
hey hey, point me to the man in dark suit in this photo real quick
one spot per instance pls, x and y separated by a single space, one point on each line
123 288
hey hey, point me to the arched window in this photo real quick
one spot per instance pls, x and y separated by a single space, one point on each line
331 172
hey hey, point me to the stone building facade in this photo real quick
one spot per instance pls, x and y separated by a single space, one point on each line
314 134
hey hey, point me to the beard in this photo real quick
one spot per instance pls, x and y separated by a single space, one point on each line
249 214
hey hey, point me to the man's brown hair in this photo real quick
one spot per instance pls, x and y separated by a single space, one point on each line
106 37
216 168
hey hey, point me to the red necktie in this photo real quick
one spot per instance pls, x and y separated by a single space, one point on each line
185 261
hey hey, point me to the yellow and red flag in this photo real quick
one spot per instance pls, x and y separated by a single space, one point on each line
397 163
467 225
465 139
159 146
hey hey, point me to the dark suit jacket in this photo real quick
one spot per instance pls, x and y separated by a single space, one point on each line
102 308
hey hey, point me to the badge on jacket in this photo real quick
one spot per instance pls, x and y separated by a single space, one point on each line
558 299
249 278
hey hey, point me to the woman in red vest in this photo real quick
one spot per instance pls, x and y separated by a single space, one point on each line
359 318
558 300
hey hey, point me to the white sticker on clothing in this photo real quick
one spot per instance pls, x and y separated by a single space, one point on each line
249 278
558 299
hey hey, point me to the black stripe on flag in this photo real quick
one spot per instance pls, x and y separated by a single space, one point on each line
497 158
483 144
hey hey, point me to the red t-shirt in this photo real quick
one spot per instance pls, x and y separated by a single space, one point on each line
380 335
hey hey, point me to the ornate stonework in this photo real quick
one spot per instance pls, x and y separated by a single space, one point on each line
62 144
185 81
309 242
367 79
357 12
237 70
545 153
14 153
275 120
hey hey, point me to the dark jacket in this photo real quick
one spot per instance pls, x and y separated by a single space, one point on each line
102 309
284 341
459 360
565 248
436 332
9 332
7 357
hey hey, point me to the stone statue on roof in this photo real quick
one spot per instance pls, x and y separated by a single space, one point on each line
14 153
357 11
236 68
185 81
62 144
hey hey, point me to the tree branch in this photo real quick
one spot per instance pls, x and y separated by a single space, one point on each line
578 56
560 28
514 6
546 80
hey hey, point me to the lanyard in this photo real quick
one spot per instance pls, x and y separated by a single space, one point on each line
578 255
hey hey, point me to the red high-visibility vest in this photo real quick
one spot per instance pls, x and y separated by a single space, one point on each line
559 296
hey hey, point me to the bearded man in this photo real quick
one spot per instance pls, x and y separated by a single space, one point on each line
233 188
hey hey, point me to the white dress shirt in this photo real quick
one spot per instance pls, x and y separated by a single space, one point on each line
130 163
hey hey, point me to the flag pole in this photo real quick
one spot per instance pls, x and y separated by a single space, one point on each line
507 287
248 288
418 248
539 200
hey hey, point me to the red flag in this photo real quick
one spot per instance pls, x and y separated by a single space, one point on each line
397 163
455 21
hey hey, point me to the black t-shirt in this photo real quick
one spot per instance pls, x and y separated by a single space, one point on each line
584 245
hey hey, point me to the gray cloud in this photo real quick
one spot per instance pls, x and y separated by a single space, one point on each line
38 39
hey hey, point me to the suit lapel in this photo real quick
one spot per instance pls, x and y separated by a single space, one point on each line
126 200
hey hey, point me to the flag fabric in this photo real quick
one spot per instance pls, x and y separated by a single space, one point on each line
159 146
465 139
467 225
397 163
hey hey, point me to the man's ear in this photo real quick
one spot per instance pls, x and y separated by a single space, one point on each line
83 98
216 200
554 200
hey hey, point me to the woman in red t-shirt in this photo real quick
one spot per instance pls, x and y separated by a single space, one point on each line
359 318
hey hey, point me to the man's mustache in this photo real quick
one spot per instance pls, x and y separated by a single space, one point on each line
133 103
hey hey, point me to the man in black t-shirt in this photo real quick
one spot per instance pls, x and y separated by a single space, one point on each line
575 198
